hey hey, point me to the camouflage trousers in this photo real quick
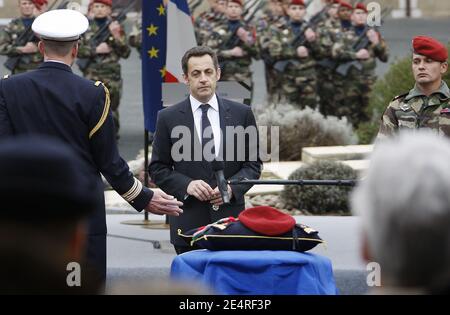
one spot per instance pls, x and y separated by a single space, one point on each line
114 85
272 86
299 88
326 90
351 98
230 72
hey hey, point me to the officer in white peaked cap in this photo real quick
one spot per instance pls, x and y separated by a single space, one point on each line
60 25
54 101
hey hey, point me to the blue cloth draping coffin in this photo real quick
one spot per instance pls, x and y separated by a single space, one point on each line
256 272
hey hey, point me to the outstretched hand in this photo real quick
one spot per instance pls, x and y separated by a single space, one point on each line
163 203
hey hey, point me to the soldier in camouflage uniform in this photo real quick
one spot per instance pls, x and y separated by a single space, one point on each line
104 59
427 105
294 59
30 57
352 95
328 31
206 21
322 15
135 37
234 45
274 13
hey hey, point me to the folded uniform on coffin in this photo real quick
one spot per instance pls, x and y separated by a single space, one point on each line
258 228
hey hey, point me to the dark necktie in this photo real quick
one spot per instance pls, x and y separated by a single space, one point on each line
206 136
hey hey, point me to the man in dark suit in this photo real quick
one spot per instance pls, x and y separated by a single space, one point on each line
190 134
53 101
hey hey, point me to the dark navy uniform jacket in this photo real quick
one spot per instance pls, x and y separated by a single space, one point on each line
53 101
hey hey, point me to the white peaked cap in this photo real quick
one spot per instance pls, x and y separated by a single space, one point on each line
60 25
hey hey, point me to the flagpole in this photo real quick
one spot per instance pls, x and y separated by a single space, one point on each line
146 179
156 224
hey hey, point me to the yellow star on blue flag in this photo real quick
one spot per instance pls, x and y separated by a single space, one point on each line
152 30
153 53
154 47
161 10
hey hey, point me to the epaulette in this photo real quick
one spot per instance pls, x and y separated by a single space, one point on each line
399 96
6 76
106 107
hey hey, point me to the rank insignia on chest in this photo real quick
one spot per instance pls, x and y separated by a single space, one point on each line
222 32
285 32
405 107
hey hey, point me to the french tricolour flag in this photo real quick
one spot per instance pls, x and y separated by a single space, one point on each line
167 33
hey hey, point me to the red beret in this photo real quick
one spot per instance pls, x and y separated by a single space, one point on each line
346 4
267 220
105 2
39 3
430 47
297 2
238 2
361 6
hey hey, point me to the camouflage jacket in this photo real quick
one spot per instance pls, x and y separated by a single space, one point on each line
414 110
279 44
328 32
103 65
205 23
262 27
8 37
135 38
223 39
343 51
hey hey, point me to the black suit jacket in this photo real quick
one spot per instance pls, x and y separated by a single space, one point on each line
174 176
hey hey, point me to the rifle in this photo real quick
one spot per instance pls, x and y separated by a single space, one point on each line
319 16
249 18
361 43
249 7
231 43
194 5
298 41
103 33
27 36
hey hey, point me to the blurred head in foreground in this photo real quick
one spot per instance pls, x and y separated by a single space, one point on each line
404 205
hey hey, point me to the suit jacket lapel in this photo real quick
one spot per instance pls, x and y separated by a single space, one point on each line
188 121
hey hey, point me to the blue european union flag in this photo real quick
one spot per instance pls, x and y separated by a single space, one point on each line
154 45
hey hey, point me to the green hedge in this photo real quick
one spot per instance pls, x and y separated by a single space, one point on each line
320 199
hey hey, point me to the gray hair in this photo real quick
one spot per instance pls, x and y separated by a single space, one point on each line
404 204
